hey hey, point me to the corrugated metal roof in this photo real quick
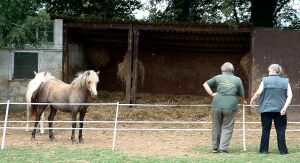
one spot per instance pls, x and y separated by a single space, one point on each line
206 38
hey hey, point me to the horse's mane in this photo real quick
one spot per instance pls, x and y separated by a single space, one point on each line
79 81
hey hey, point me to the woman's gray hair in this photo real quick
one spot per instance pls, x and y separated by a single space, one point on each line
227 67
276 69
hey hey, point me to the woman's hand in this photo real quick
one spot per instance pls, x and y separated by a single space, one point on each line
252 103
214 94
282 111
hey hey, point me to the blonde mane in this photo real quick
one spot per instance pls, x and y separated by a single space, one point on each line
79 81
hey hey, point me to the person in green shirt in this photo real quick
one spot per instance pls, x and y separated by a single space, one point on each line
224 104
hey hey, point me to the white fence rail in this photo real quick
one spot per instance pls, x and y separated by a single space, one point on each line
116 121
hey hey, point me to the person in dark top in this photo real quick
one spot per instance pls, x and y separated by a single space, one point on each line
224 105
275 96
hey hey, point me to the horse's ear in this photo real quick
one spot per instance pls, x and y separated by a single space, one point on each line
45 73
35 73
98 72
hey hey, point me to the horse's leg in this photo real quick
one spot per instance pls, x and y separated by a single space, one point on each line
74 115
40 110
81 118
42 131
50 119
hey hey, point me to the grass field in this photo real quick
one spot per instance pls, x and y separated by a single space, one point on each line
16 154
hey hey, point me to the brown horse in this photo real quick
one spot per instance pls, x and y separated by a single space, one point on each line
55 91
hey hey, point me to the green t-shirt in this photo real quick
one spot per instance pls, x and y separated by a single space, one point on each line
228 88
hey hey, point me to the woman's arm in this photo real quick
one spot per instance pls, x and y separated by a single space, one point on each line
257 94
288 100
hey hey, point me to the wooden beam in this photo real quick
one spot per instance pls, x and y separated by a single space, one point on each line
136 34
129 66
86 25
65 74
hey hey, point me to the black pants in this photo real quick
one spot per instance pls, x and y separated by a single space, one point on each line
280 122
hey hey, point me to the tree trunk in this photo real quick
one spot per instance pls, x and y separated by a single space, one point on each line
262 12
184 9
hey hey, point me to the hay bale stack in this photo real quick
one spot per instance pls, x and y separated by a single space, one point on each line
245 64
98 57
122 71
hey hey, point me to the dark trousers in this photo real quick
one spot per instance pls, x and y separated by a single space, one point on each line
280 122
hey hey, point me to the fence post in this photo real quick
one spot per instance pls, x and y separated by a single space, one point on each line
244 127
4 127
115 127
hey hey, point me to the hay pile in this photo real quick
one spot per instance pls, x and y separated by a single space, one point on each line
138 113
98 57
245 64
122 71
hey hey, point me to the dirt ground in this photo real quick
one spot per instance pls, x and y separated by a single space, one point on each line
162 143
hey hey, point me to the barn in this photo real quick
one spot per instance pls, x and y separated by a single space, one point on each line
176 58
162 58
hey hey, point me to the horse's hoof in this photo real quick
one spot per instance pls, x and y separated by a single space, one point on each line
81 141
74 141
32 139
53 140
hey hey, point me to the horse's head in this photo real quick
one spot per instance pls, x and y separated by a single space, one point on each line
48 76
43 76
91 81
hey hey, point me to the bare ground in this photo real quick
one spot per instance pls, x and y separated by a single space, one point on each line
162 143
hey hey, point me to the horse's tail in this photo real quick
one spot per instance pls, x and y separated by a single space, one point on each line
34 99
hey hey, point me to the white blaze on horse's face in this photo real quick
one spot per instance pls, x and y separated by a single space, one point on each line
92 81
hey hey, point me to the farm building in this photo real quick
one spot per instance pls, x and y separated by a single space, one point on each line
17 65
164 58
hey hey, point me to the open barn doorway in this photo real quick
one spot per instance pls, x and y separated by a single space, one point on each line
174 60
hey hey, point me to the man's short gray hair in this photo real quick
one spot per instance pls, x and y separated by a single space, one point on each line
227 67
276 68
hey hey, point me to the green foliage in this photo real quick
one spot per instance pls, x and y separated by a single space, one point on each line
287 18
202 11
232 12
19 21
108 9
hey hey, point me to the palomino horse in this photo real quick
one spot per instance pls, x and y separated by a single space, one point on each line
55 91
32 86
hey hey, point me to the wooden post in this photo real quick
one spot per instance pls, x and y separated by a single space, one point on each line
136 34
129 65
65 57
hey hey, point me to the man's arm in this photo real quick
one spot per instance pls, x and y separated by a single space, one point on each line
208 89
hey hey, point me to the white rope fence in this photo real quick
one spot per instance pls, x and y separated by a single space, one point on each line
116 121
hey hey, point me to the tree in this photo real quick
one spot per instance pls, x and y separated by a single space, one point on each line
264 13
108 9
261 13
185 10
19 22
